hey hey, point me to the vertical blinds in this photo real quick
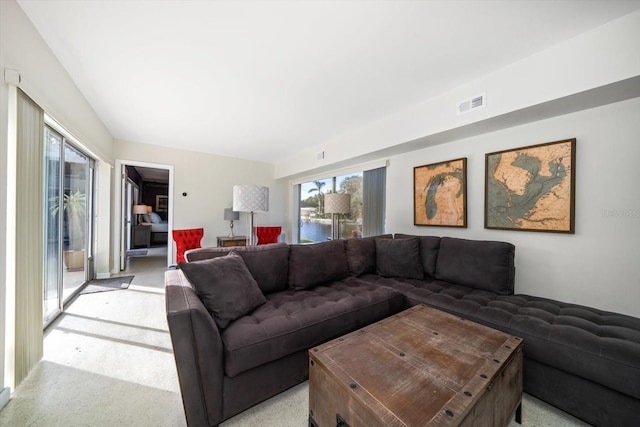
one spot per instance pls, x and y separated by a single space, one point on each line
29 237
373 200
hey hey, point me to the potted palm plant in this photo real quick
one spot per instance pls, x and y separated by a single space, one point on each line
74 207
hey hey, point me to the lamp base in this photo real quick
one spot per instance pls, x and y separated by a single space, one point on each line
251 240
335 231
231 229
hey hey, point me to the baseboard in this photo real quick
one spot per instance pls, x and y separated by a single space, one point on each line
103 275
5 396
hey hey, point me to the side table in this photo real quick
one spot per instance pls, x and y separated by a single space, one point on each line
227 241
141 236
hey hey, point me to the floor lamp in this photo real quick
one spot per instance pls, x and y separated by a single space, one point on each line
336 204
250 198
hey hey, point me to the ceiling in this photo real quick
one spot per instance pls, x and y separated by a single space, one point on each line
263 80
153 174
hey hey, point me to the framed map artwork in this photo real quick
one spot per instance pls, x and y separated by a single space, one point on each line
440 194
531 188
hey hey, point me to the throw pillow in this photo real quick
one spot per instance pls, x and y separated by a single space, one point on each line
361 255
429 246
225 287
155 218
399 258
486 265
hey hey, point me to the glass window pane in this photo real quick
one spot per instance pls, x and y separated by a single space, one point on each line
52 261
351 223
315 226
76 184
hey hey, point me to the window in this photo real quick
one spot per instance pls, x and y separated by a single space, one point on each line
365 216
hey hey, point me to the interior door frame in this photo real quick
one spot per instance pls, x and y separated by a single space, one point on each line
119 234
125 211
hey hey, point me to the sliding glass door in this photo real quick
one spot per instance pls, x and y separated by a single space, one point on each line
68 226
52 244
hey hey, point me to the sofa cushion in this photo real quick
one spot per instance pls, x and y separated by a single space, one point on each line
200 254
429 246
478 264
268 264
396 283
317 264
399 258
361 254
225 287
295 320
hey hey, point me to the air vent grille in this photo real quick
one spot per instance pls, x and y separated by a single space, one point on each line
473 103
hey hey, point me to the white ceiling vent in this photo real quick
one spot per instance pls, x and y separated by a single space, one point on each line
473 103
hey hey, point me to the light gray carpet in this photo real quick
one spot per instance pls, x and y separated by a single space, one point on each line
290 409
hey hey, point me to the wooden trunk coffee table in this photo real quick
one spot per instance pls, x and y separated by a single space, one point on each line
421 367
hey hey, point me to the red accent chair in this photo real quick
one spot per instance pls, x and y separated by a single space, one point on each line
186 239
268 234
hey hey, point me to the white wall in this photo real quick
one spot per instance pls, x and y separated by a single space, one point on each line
597 58
208 181
48 84
46 81
599 265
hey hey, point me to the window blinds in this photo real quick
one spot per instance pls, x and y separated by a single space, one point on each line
29 238
373 200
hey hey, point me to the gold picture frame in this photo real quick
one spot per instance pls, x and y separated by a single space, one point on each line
162 203
531 188
440 194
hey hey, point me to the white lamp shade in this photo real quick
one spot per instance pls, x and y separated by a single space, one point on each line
139 209
231 215
337 203
250 198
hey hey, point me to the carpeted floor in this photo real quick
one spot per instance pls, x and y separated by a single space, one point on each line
104 285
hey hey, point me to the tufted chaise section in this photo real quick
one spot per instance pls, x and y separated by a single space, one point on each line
603 347
600 347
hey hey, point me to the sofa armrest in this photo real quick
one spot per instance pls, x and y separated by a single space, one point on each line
197 349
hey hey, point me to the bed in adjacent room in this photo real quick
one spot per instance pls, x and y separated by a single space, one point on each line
159 228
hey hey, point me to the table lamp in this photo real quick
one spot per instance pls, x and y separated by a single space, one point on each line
139 210
231 215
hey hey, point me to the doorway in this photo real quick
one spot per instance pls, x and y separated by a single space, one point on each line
145 187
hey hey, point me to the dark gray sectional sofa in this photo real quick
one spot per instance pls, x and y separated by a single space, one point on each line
241 324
